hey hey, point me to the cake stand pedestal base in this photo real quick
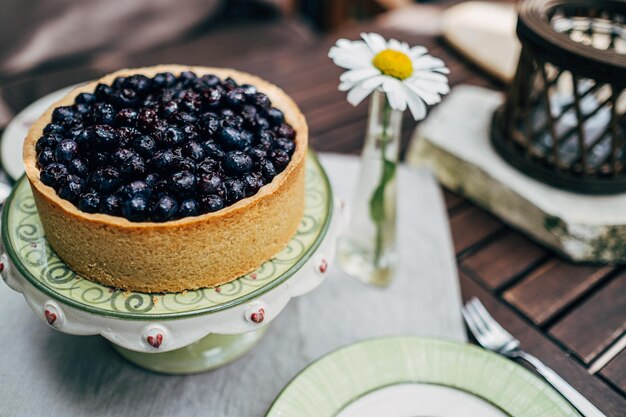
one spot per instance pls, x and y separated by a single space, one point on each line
210 352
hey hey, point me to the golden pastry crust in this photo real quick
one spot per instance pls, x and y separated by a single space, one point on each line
185 254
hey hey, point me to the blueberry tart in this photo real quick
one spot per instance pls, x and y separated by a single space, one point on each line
169 178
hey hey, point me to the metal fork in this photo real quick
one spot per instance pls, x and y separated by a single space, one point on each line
493 337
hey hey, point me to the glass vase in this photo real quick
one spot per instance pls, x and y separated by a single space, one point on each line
367 248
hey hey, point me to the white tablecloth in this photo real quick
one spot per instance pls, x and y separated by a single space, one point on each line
47 373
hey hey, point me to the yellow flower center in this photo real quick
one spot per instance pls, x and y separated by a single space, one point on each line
393 63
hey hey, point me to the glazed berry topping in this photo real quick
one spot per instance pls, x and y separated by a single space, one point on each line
163 148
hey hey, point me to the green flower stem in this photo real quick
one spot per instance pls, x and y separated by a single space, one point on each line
377 201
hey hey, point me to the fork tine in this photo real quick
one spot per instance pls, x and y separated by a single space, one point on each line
490 322
478 318
471 323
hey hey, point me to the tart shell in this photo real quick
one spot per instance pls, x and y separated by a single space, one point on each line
185 254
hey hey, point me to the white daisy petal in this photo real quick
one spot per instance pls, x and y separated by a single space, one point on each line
428 96
375 82
417 51
429 76
427 62
357 94
416 105
434 87
394 89
351 54
398 46
357 75
374 41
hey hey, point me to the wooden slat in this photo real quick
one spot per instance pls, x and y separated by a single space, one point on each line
471 226
451 199
601 319
598 392
504 259
553 287
615 372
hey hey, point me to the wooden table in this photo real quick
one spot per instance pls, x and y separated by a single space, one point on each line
567 315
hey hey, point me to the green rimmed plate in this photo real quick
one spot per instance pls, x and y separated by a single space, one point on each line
411 377
24 240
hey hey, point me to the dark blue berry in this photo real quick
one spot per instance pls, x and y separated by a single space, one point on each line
229 84
144 145
182 163
234 191
151 180
182 183
104 137
267 170
112 205
83 109
248 90
183 118
125 98
211 203
171 137
275 116
147 119
103 92
105 180
86 98
286 145
265 139
207 166
279 158
138 83
190 132
257 153
164 80
118 83
253 183
210 80
213 96
261 100
89 202
48 141
71 191
53 128
262 123
135 208
235 98
162 161
187 78
136 188
66 151
212 149
66 116
53 175
164 209
78 167
237 163
127 134
45 157
193 150
99 159
126 117
286 131
168 109
232 138
210 184
120 156
209 123
188 208
133 167
103 114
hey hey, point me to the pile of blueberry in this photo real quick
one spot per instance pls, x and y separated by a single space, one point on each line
163 148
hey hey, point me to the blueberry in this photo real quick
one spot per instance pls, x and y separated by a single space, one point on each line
120 156
66 116
267 170
151 180
78 167
213 96
53 175
103 113
71 191
89 202
237 163
162 161
171 137
50 141
53 128
190 132
234 191
144 145
252 183
104 137
45 157
188 208
211 203
265 139
286 145
279 158
66 151
135 208
187 78
257 153
103 92
163 80
168 109
182 183
275 116
286 131
99 159
210 80
233 139
212 149
133 167
248 90
182 163
138 83
209 123
136 188
207 166
125 98
86 98
150 101
105 180
226 112
118 83
111 204
236 122
262 123
147 119
126 117
261 100
210 184
127 134
183 118
193 150
191 102
82 109
229 84
164 209
235 98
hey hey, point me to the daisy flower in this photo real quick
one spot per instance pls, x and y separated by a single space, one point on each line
408 75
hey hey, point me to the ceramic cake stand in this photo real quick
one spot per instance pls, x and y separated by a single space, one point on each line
186 332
